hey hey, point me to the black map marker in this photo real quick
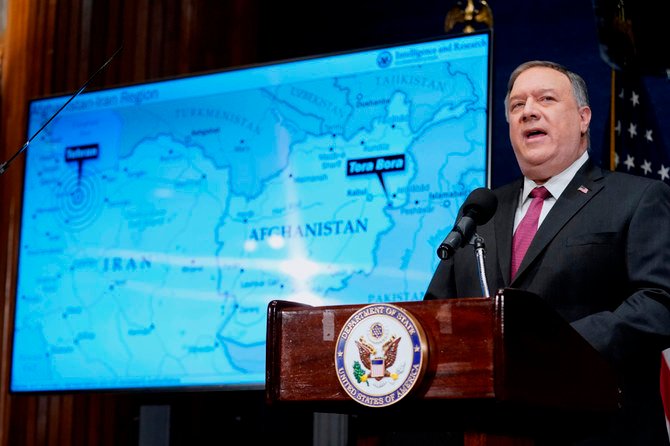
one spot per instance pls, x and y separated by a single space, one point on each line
377 165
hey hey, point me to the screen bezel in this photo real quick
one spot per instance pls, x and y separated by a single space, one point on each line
243 386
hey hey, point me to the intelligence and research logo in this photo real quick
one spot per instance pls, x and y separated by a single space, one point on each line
381 353
384 59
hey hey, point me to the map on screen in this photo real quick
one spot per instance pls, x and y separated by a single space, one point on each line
160 219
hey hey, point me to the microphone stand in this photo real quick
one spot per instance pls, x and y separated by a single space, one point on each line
480 254
5 165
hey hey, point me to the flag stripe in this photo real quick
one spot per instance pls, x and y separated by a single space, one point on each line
612 135
665 386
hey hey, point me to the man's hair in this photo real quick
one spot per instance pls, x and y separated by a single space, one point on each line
579 89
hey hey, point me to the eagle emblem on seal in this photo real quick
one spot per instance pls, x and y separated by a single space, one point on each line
378 364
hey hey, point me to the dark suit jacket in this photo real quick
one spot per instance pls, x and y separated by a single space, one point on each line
601 258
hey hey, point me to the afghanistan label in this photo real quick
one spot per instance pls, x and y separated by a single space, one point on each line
381 354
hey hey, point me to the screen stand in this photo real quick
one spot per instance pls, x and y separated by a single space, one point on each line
154 426
330 429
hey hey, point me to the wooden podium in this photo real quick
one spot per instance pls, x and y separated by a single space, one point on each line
505 370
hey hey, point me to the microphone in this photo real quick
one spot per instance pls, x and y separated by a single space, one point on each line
5 165
477 209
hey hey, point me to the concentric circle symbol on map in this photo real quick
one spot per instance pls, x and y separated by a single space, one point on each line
380 355
79 201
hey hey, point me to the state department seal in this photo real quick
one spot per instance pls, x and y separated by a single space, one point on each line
381 353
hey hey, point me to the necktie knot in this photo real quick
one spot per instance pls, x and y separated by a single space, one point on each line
540 192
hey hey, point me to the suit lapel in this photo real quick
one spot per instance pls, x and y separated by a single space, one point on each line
504 227
580 190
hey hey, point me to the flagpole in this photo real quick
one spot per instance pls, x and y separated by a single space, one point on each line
612 119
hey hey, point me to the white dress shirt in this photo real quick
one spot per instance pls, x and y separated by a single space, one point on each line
555 185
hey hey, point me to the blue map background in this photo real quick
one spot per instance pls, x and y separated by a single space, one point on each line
152 264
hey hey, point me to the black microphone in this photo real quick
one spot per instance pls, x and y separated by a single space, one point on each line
477 209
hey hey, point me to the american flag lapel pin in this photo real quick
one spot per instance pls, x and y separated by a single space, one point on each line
583 189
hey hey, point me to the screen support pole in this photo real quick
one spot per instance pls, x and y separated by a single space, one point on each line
154 426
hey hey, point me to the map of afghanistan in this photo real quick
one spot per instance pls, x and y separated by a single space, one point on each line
157 228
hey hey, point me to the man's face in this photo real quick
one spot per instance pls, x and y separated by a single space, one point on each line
546 127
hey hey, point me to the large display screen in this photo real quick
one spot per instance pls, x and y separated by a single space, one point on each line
159 219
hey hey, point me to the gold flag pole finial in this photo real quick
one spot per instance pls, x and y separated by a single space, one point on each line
468 16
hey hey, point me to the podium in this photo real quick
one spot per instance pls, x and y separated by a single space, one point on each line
503 370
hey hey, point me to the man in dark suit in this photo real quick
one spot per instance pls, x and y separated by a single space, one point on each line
601 253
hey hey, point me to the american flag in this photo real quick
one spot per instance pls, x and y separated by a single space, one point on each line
636 143
637 147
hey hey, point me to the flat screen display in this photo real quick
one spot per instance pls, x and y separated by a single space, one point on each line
159 219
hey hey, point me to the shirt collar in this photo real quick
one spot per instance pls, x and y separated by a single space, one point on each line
556 184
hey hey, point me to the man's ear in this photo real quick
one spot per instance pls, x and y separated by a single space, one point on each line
585 115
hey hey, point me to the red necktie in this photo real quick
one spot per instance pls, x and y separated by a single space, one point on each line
527 227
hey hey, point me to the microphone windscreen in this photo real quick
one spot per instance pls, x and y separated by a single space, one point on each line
481 204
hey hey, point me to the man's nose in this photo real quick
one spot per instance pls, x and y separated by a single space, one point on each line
529 110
